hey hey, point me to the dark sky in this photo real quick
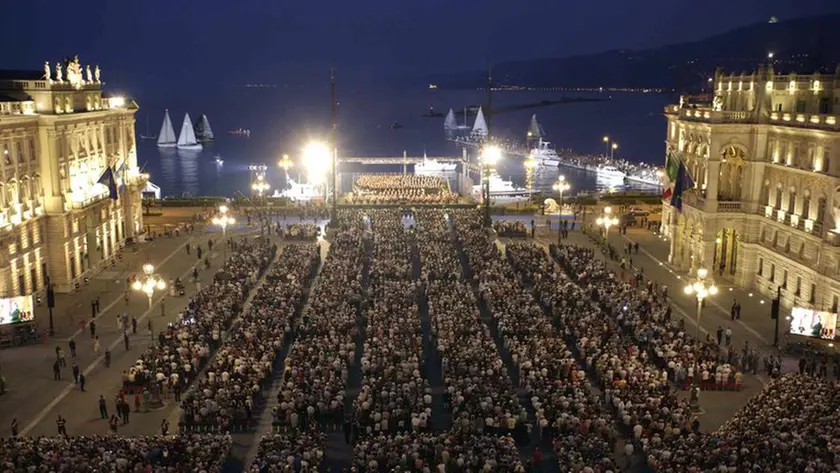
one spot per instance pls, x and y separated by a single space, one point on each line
171 43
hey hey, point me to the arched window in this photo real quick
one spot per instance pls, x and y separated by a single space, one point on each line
792 200
778 203
806 204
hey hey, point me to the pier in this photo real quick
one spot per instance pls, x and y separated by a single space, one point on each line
395 160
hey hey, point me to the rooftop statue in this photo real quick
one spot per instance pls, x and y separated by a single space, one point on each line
58 76
47 71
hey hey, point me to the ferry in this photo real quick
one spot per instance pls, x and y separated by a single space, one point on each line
433 166
544 155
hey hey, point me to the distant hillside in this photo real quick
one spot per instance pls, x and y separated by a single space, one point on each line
803 44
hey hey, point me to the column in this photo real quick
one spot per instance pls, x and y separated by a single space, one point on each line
713 168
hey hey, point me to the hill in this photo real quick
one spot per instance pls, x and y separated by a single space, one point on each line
802 44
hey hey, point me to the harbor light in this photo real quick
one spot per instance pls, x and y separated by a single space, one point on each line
491 155
316 160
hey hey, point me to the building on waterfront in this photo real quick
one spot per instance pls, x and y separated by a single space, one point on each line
58 133
765 208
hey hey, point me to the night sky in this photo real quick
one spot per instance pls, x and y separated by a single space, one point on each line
189 43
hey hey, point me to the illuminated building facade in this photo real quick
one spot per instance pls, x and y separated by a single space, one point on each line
58 132
765 209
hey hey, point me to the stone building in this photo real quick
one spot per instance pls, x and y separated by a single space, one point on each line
765 209
58 134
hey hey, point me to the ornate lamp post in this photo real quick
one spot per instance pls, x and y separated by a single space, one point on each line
612 150
150 282
490 155
606 140
702 287
606 220
560 186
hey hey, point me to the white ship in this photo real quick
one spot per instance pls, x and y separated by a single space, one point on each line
301 192
433 166
501 189
186 140
544 155
610 172
166 137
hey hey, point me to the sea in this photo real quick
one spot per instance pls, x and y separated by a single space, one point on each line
282 120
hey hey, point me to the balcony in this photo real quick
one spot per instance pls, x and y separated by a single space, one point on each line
806 120
794 221
693 198
75 202
729 206
708 115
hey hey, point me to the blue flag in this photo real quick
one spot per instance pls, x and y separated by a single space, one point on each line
107 179
683 183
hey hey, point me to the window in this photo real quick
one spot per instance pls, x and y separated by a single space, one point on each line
775 238
792 202
806 206
800 106
834 303
772 273
802 251
825 106
33 276
778 205
820 210
813 298
21 284
826 162
778 107
761 267
798 287
784 280
6 154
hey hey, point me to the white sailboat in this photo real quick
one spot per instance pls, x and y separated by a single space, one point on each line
166 137
480 126
450 123
203 131
535 130
186 140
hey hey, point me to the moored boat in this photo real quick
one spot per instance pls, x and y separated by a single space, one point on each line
187 140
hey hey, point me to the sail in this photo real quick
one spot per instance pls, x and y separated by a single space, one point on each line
451 123
166 137
202 129
187 137
535 130
480 125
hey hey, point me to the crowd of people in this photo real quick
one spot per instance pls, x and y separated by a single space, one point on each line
635 390
394 396
792 425
643 314
510 228
566 410
184 347
224 399
401 188
288 452
158 454
298 231
317 366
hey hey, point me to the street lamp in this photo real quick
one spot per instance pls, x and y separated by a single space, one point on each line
150 283
223 220
316 159
612 150
702 287
560 186
606 140
490 155
260 185
606 220
286 163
